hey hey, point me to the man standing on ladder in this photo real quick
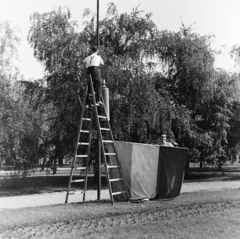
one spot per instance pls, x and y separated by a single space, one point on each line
92 63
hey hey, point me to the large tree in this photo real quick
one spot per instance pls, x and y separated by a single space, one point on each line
158 80
60 48
9 41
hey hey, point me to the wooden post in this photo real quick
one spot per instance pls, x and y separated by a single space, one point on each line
99 142
97 23
99 168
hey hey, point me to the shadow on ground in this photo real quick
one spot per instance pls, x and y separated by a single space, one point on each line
58 183
42 184
197 174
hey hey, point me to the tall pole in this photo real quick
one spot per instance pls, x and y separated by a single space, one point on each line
97 23
99 141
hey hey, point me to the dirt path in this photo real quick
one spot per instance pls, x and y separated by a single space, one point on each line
86 225
45 199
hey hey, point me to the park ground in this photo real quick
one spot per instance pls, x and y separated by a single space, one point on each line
194 214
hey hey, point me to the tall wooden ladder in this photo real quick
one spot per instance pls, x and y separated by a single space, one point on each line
111 164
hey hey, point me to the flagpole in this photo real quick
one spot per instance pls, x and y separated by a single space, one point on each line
99 141
97 23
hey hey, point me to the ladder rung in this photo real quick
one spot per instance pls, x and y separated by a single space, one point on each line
84 131
112 166
88 119
117 193
75 193
63 169
101 105
110 153
107 141
78 180
115 179
82 156
105 129
67 169
79 168
102 117
83 143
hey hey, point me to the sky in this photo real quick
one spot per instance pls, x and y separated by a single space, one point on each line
218 17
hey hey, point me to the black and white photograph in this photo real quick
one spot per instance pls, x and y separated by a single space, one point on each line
120 119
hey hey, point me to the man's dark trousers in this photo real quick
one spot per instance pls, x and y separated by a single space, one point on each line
97 81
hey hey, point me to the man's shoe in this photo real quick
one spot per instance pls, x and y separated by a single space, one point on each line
99 103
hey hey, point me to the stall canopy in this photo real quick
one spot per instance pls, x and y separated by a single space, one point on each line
150 171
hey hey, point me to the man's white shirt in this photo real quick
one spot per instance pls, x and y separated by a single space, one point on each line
93 60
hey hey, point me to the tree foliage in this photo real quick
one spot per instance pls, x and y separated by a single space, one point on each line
159 81
9 40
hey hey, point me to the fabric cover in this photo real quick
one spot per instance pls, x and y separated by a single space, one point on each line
149 171
171 170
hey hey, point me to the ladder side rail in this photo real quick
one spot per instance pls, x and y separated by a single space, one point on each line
100 135
114 148
77 140
81 121
79 99
88 153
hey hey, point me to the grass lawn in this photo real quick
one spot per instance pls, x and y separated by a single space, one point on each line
191 215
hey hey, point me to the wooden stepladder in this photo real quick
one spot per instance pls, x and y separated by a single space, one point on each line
81 159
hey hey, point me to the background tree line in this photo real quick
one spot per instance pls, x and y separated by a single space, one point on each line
159 81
